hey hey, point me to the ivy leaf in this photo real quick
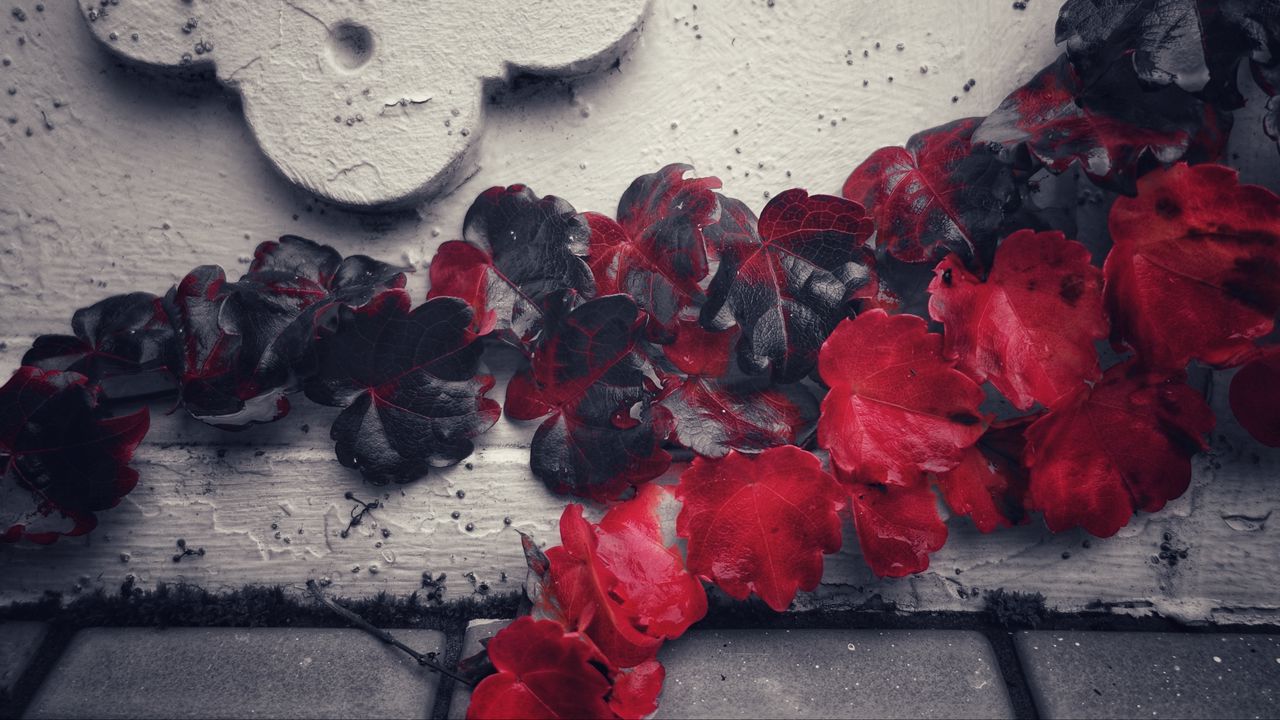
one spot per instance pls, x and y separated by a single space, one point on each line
543 672
1194 267
656 252
712 416
518 249
760 523
1258 21
898 527
588 376
636 690
619 584
897 407
1126 445
788 290
1255 397
1165 36
407 383
1030 327
990 483
120 336
62 459
1110 125
941 193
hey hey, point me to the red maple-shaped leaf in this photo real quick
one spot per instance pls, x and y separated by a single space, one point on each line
760 523
1030 327
619 583
636 690
939 194
1255 397
518 249
542 672
62 459
593 385
1195 271
408 385
655 252
789 286
897 407
990 483
1108 123
898 527
1124 446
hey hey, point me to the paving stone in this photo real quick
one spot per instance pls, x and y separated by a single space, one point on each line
477 630
238 673
1163 675
832 673
19 642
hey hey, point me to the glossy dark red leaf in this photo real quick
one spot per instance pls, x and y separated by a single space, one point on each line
1195 267
939 194
408 385
1111 125
1255 397
897 407
898 527
990 483
712 416
789 289
1030 327
543 672
593 385
62 458
518 249
760 523
1126 445
1165 37
636 690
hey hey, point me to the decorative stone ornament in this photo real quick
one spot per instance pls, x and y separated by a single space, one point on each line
367 103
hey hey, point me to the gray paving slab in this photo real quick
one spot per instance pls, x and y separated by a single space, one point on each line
19 642
832 673
477 630
1151 675
238 673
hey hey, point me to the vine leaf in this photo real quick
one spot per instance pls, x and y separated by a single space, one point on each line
788 286
1123 446
1165 36
712 416
593 385
990 483
1193 271
898 527
1109 124
897 407
1030 327
407 383
518 249
760 523
62 460
940 193
1255 397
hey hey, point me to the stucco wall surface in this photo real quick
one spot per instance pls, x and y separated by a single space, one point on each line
115 179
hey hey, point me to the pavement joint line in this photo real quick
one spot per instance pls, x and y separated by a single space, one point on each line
454 637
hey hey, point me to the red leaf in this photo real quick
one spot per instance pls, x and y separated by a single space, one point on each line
712 417
1108 124
898 527
990 483
697 351
939 194
760 523
542 673
1195 271
1122 447
897 408
636 690
788 288
60 456
1255 397
1030 327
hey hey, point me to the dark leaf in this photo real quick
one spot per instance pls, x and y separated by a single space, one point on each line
939 194
589 377
1255 397
1165 37
788 290
408 383
62 459
712 416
